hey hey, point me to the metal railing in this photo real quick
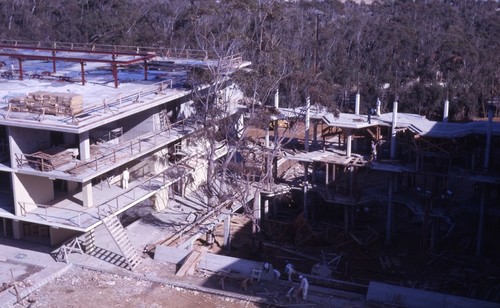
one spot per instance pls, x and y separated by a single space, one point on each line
179 53
150 185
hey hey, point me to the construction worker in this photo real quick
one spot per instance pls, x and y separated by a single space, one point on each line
304 286
289 270
125 178
276 274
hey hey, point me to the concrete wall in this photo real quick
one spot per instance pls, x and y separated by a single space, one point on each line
26 141
387 294
58 236
139 124
32 190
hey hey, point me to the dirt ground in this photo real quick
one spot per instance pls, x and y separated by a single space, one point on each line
87 288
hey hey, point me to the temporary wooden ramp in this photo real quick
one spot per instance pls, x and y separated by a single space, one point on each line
121 239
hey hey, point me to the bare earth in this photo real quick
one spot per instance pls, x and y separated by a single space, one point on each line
86 288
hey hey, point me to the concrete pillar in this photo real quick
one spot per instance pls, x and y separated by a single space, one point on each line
393 129
256 213
349 143
446 110
307 124
227 233
378 107
87 194
488 138
277 98
266 138
326 173
480 225
357 104
17 230
306 183
84 146
266 209
315 134
389 210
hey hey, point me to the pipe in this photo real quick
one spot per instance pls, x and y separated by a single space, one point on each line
357 103
307 124
445 111
393 129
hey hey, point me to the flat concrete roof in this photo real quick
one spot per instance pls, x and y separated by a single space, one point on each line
167 79
418 124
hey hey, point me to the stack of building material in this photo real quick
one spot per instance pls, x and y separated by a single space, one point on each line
61 104
50 159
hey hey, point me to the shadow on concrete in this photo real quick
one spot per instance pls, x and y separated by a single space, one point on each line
109 256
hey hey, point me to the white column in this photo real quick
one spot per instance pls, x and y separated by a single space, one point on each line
349 143
393 129
84 146
276 98
227 232
378 106
256 211
87 194
445 111
307 124
266 138
357 103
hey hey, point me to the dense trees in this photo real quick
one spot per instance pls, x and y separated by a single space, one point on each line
418 51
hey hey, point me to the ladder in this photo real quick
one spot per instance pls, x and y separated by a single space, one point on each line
121 239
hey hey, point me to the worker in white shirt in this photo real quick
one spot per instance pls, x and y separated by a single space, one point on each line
125 178
289 270
304 286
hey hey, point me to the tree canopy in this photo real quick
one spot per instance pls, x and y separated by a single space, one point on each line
419 52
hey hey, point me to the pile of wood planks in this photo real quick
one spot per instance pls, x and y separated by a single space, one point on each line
50 159
41 102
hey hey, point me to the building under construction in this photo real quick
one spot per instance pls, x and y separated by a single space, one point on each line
89 132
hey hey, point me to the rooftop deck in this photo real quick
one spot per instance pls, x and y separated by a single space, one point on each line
113 83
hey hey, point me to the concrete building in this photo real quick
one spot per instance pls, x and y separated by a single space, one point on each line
74 117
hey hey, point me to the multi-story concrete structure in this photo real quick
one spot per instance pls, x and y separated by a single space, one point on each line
73 118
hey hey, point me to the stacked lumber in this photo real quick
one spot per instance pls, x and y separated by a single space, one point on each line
60 104
51 159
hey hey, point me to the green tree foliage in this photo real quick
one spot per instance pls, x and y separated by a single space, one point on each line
418 51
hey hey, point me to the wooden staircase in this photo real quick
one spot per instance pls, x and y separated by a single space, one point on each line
121 239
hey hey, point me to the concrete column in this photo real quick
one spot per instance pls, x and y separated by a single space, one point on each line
480 225
393 129
357 103
227 233
445 110
87 194
84 146
315 134
326 173
266 138
378 107
488 138
349 143
389 210
17 230
306 183
307 124
277 98
256 213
